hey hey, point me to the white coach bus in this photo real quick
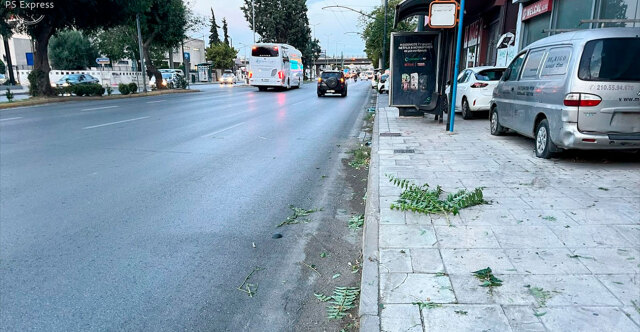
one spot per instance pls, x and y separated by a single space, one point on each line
275 66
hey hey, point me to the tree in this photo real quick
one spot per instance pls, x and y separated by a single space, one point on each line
214 37
3 68
221 55
374 29
117 43
225 30
281 21
6 32
82 15
163 26
311 53
71 49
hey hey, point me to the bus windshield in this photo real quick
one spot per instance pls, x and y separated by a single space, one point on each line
262 51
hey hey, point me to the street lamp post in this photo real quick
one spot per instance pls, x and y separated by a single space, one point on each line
253 20
384 37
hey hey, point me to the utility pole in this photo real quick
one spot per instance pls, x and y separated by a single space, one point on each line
144 75
253 19
384 37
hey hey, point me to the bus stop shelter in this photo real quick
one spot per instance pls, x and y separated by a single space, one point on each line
445 55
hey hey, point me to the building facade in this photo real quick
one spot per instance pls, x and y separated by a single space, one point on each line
486 23
542 18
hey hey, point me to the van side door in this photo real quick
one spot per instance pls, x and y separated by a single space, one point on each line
527 98
505 94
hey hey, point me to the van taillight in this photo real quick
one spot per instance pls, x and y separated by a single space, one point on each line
341 79
581 100
479 85
250 74
280 74
319 79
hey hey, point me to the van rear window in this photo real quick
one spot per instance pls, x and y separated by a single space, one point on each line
262 51
613 59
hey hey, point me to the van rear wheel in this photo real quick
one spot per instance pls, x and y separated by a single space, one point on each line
496 128
544 146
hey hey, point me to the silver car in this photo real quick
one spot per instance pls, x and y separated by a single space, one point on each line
575 90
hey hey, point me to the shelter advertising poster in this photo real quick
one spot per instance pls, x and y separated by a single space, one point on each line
413 69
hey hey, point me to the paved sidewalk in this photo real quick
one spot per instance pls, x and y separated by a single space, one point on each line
563 235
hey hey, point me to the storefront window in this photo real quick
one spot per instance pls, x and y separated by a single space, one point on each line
619 9
570 12
535 28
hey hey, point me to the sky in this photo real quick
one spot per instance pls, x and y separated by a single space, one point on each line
329 25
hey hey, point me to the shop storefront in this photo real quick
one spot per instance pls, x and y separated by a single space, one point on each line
543 18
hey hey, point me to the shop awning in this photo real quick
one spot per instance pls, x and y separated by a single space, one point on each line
408 8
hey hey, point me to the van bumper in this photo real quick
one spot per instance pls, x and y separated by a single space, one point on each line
572 138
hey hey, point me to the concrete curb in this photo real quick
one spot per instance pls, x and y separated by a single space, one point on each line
369 310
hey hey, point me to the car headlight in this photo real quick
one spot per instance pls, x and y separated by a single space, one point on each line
65 84
164 82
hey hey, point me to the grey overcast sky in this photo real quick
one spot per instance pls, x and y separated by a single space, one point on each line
328 25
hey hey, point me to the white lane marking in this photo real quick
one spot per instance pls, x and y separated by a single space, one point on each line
224 129
156 101
112 123
98 108
7 119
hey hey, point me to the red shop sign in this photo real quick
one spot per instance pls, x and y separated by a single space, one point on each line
536 9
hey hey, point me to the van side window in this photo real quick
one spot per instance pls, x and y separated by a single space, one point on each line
514 68
557 62
531 67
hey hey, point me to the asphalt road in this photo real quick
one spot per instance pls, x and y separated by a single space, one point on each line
141 214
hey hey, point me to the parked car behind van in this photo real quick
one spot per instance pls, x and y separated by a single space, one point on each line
575 90
475 89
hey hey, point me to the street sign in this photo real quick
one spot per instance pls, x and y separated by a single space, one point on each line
187 56
443 14
102 61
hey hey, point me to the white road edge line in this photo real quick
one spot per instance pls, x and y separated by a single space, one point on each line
7 119
224 129
156 101
98 108
112 123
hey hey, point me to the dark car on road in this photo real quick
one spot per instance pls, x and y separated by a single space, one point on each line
74 79
332 81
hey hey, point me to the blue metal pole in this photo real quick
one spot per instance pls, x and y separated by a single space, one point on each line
454 87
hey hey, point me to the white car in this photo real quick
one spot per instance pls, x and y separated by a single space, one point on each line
475 89
383 84
228 78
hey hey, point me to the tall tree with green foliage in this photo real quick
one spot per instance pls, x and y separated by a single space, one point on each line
82 15
163 25
71 50
6 32
214 37
374 31
281 21
221 55
118 43
225 31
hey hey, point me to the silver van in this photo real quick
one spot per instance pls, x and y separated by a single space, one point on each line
575 90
